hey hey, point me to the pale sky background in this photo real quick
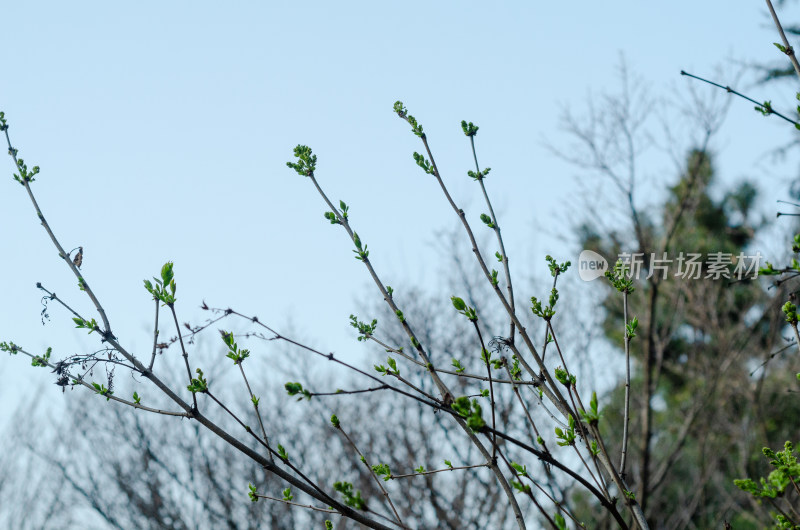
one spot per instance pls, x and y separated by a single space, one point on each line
163 129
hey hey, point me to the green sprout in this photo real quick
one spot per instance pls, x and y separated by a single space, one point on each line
351 498
103 391
360 252
164 288
91 325
282 453
24 177
391 370
333 218
424 163
768 269
253 493
464 309
294 389
199 383
764 108
470 129
591 416
521 470
365 330
564 377
234 353
786 473
630 329
480 175
516 371
545 313
9 347
306 162
401 111
790 310
458 366
567 437
470 411
42 360
618 278
555 267
382 470
522 488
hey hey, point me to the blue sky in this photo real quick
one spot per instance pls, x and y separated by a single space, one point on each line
163 128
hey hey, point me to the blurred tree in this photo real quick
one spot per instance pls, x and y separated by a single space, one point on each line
707 400
154 476
109 468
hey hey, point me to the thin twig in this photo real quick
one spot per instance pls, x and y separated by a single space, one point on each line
772 356
53 296
185 353
284 501
155 337
466 375
767 109
109 396
485 355
555 463
554 394
454 468
496 228
528 492
788 50
372 473
254 401
271 451
447 396
626 418
528 415
331 357
62 254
